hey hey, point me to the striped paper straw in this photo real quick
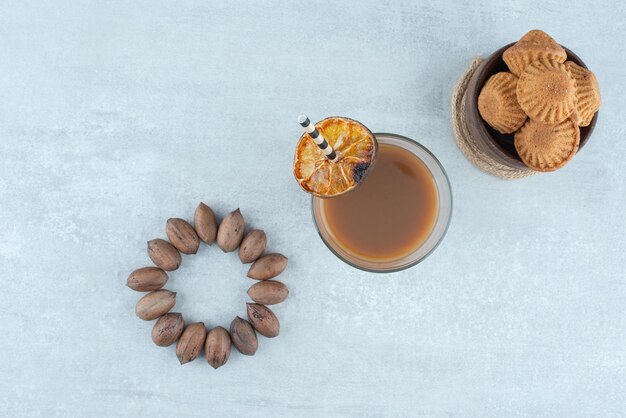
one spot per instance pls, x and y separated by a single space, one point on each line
328 151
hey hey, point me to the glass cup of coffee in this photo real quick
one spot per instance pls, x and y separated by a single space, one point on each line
398 214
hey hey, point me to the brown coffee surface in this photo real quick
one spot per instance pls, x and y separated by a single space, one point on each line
391 214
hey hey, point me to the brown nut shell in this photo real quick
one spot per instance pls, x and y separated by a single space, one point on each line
217 347
205 223
263 320
243 336
268 292
252 246
155 304
230 232
163 254
167 329
182 235
268 266
191 341
146 279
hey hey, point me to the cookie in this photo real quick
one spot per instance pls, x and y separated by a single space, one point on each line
547 92
588 98
533 46
547 147
497 103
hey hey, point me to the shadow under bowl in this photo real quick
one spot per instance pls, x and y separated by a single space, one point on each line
499 146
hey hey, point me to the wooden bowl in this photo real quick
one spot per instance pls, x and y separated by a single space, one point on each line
499 146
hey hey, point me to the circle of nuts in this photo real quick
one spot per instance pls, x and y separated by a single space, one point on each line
192 339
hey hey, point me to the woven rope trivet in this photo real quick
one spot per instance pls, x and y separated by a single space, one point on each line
464 140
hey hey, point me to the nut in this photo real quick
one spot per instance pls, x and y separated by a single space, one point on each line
263 320
230 232
252 246
217 347
167 329
243 336
155 304
146 279
182 235
268 292
163 254
191 342
205 223
268 266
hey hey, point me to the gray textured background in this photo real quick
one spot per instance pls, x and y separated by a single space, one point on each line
116 115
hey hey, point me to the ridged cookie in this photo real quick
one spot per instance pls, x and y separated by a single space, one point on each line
588 98
497 103
533 46
547 91
547 147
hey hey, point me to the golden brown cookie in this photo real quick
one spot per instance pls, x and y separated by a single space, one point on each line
547 147
497 103
547 92
533 46
588 98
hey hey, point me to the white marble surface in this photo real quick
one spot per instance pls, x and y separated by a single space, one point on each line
116 115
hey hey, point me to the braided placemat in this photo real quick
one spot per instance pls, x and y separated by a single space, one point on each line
464 140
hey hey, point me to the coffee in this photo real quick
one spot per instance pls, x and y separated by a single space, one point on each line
391 214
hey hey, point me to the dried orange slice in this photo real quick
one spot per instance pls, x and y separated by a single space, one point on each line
356 148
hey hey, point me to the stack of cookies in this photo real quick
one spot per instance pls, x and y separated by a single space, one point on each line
543 100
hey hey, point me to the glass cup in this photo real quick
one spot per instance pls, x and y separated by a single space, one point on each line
444 213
